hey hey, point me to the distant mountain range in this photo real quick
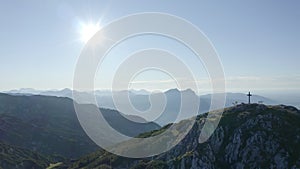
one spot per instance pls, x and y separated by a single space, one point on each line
43 132
140 100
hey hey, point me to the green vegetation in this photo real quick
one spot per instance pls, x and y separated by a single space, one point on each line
15 157
154 132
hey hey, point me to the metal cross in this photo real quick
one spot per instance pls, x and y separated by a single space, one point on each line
249 95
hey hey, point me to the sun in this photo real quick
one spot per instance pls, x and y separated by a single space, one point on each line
88 31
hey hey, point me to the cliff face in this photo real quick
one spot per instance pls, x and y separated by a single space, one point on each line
248 136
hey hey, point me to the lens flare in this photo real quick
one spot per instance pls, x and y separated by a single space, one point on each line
88 31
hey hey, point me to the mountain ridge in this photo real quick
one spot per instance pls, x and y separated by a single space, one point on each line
141 101
248 136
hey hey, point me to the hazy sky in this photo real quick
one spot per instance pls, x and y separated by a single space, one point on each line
258 42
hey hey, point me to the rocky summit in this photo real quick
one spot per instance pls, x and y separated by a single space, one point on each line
248 136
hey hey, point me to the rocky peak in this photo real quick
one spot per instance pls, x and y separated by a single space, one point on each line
248 136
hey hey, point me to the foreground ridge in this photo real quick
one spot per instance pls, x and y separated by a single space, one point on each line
248 136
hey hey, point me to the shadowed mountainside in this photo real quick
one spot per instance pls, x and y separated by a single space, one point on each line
49 125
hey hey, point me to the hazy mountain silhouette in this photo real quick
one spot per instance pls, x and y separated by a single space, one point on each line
140 101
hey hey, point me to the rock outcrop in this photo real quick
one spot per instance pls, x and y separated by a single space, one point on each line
248 136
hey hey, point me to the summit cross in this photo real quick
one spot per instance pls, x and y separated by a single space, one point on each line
249 96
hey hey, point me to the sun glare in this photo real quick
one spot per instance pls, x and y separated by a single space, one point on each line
88 31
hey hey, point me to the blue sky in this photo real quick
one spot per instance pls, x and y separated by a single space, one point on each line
257 41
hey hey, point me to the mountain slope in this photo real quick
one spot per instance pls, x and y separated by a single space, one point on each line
49 125
248 136
15 157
